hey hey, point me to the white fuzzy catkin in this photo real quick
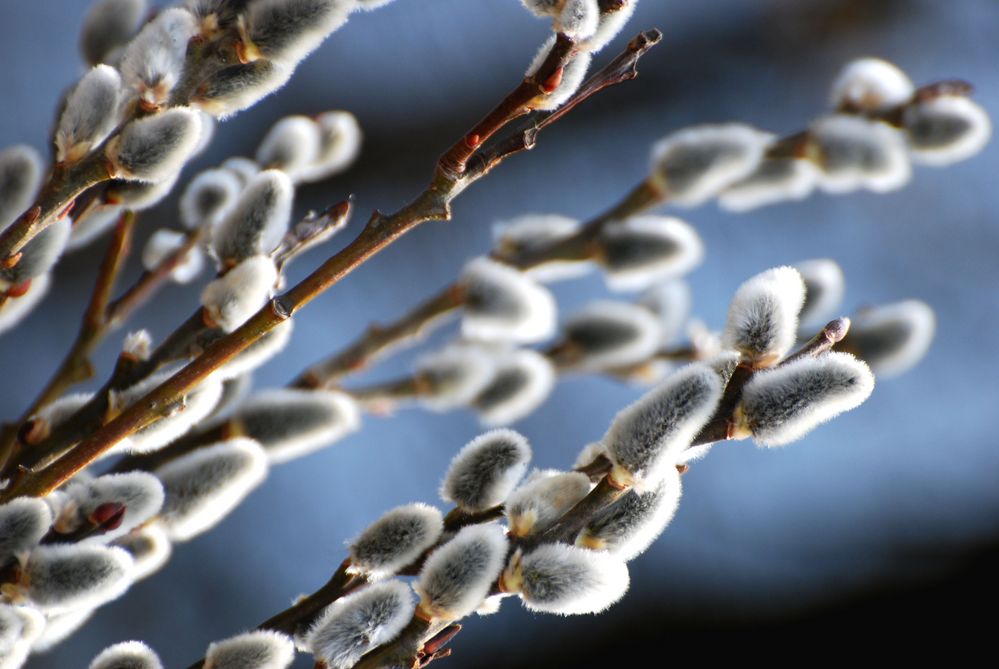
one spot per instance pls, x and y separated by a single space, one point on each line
486 470
609 25
137 344
644 250
258 353
607 335
774 180
260 649
542 500
149 547
290 423
646 438
203 486
360 622
504 304
693 165
892 338
395 540
288 30
140 492
456 577
854 152
23 523
259 219
15 309
946 129
290 145
630 525
824 288
21 171
763 316
127 655
59 578
209 197
523 381
59 627
20 628
108 26
573 74
90 114
153 62
231 299
783 404
40 254
154 148
164 243
870 85
576 18
670 302
454 376
242 168
567 580
339 145
140 195
533 232
239 86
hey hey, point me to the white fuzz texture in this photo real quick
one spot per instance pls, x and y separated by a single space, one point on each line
576 18
870 85
259 219
783 404
630 525
368 5
608 335
290 423
542 500
288 30
90 114
455 375
155 148
164 243
589 454
231 299
532 232
562 579
946 129
291 144
127 655
360 622
573 74
763 315
153 62
504 304
670 302
149 547
486 470
140 492
108 26
209 197
854 152
93 225
59 627
15 309
395 540
456 577
774 180
646 438
609 25
40 254
239 86
140 195
339 145
824 288
260 649
242 168
695 164
26 625
203 486
21 171
892 338
258 353
23 523
67 577
639 252
523 381
137 344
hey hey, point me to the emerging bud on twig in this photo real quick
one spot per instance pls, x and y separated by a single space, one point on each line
395 540
556 578
209 197
153 62
149 547
854 152
824 287
231 299
606 335
783 404
258 221
532 232
90 114
670 302
156 147
763 316
162 244
542 500
108 26
203 486
504 304
774 180
339 144
641 251
946 129
23 523
258 353
59 578
610 24
39 255
127 655
695 164
870 85
291 423
456 577
140 493
16 308
486 470
20 176
260 649
576 18
239 86
523 380
290 145
569 80
137 345
289 30
892 338
454 376
360 622
646 438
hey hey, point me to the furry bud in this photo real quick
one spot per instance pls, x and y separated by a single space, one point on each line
63 577
288 30
16 308
536 505
127 655
23 523
609 335
783 404
504 304
164 243
854 152
693 165
153 62
203 486
258 353
454 376
609 25
231 299
646 438
140 493
20 629
40 254
239 86
486 470
339 144
208 198
523 380
572 76
260 649
149 547
140 195
576 18
670 302
154 148
892 338
946 129
242 168
533 232
824 287
456 577
395 540
556 578
763 316
870 85
54 413
90 114
774 180
20 177
137 344
259 219
108 26
291 144
359 622
639 252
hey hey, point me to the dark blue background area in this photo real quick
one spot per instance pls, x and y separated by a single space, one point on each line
886 495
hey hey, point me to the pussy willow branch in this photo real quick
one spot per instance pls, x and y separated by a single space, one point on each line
379 232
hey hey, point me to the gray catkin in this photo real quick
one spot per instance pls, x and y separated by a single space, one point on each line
64 577
260 649
239 86
259 219
20 178
155 148
127 655
486 470
456 577
396 539
108 26
23 523
40 254
289 30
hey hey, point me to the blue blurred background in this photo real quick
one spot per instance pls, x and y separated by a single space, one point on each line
892 497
